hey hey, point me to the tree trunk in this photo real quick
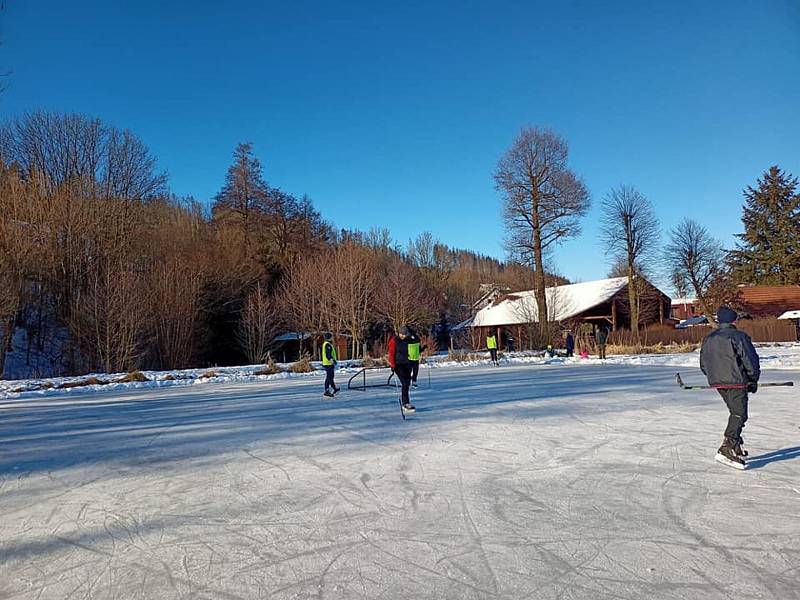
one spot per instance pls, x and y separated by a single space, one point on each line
538 274
633 300
6 335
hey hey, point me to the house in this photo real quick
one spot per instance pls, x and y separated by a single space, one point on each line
291 345
684 308
768 300
602 302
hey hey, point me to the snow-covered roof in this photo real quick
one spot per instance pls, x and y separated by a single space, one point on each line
682 301
291 336
563 302
790 314
463 325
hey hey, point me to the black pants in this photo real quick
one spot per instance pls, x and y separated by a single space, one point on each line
493 352
414 370
570 352
329 377
403 372
603 350
736 400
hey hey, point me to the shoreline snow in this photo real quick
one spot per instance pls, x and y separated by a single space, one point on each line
777 356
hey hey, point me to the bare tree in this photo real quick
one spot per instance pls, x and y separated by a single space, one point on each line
402 298
258 325
304 295
692 253
542 200
94 158
630 233
353 290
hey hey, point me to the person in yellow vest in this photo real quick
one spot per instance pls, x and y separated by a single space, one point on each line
329 364
491 344
414 352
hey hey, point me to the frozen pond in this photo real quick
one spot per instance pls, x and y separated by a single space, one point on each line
523 481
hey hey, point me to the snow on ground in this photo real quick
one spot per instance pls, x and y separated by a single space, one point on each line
521 481
773 356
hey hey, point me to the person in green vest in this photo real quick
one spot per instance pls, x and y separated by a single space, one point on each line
329 364
491 344
414 351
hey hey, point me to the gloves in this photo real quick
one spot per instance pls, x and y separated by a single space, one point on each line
752 387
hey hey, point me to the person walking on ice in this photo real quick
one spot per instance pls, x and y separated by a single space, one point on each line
401 365
602 338
491 344
414 351
731 364
329 364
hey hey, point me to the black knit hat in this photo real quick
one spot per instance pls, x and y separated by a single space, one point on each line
726 315
405 331
328 335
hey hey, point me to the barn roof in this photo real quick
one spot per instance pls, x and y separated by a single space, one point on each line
563 301
769 300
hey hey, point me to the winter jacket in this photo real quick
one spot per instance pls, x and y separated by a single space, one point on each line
570 342
602 336
398 351
729 358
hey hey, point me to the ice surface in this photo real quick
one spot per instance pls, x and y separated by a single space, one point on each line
562 480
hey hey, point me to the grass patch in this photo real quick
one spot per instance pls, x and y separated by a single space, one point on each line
133 376
370 362
82 383
465 356
677 348
271 368
302 366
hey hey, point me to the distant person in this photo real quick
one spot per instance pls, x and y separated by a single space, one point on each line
491 344
602 338
401 365
731 365
550 351
329 360
584 353
414 352
570 344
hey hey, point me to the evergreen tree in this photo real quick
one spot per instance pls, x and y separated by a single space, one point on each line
769 249
242 198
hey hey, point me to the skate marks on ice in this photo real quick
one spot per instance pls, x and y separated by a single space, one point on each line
516 485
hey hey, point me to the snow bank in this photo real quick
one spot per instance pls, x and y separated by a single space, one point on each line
773 356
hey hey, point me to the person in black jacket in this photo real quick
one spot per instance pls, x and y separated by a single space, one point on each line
731 365
570 344
602 338
401 364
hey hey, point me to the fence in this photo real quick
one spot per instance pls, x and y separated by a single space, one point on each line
761 330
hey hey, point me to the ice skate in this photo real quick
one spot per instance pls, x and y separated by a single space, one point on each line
727 456
327 394
408 408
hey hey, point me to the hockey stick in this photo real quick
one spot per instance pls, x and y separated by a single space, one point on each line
713 387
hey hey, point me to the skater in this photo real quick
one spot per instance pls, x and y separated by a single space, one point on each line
602 337
414 351
731 364
491 344
401 364
570 344
329 364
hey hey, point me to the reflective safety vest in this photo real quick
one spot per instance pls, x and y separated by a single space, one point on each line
491 341
327 362
413 351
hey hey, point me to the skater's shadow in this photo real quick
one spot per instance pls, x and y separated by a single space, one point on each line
756 462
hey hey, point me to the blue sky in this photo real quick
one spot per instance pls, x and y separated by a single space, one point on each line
395 113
